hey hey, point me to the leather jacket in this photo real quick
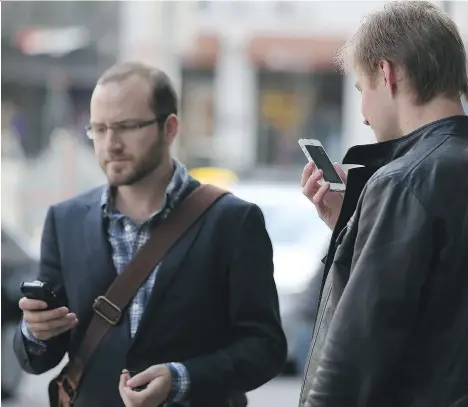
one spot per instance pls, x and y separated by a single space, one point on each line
392 324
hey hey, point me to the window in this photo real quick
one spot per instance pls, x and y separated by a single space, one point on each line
294 106
197 111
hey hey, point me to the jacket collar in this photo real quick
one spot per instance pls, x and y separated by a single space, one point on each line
379 154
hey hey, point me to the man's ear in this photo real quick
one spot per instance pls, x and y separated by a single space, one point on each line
171 128
388 71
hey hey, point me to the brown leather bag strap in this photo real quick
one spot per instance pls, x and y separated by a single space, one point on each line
108 308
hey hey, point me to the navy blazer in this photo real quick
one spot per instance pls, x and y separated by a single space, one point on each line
214 306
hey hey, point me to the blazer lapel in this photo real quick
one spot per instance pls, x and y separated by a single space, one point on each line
98 251
170 266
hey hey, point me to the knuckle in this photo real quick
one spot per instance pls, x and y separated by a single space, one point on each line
55 314
24 304
28 317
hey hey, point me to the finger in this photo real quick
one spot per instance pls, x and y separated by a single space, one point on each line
44 335
155 391
44 316
142 378
123 389
126 375
54 324
312 185
27 304
131 398
318 197
123 379
307 172
60 330
340 172
155 386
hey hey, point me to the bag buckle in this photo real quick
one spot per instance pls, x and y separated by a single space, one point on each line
107 310
68 388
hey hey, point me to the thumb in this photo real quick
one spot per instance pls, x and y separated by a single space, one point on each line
341 172
123 378
143 378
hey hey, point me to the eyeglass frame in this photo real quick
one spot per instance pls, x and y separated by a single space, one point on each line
136 125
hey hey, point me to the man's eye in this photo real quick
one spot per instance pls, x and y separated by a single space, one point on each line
98 130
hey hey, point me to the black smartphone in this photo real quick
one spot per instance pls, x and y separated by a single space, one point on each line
39 290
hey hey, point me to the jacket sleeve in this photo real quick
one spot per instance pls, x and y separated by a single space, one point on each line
35 358
259 351
379 304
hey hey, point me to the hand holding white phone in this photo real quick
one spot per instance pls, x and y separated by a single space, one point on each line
315 153
327 202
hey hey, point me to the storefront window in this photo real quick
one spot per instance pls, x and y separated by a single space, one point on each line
294 106
197 113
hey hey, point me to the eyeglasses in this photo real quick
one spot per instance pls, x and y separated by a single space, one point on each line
128 127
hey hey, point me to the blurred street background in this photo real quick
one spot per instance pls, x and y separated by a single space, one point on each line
253 77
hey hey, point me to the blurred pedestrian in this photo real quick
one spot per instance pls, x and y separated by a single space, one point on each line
203 328
392 326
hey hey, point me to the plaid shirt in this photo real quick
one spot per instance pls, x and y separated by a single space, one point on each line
126 238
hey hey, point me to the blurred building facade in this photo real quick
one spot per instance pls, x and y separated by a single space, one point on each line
254 77
52 54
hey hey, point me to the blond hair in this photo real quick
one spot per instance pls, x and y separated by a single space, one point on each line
417 38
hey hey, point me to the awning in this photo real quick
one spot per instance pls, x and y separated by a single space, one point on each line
82 67
294 53
203 53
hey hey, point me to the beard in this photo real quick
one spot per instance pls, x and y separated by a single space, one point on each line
132 171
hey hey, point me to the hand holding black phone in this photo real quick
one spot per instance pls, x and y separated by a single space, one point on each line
45 323
38 290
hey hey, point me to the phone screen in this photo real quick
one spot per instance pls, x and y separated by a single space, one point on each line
322 161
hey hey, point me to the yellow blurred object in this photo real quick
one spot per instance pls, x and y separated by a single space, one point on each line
220 177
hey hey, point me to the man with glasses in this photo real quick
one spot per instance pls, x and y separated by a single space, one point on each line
198 332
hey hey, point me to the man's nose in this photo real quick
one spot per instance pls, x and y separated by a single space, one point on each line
366 122
112 139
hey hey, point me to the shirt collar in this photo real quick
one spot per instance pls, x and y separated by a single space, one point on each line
179 181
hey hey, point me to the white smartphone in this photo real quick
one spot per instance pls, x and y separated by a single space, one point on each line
315 152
